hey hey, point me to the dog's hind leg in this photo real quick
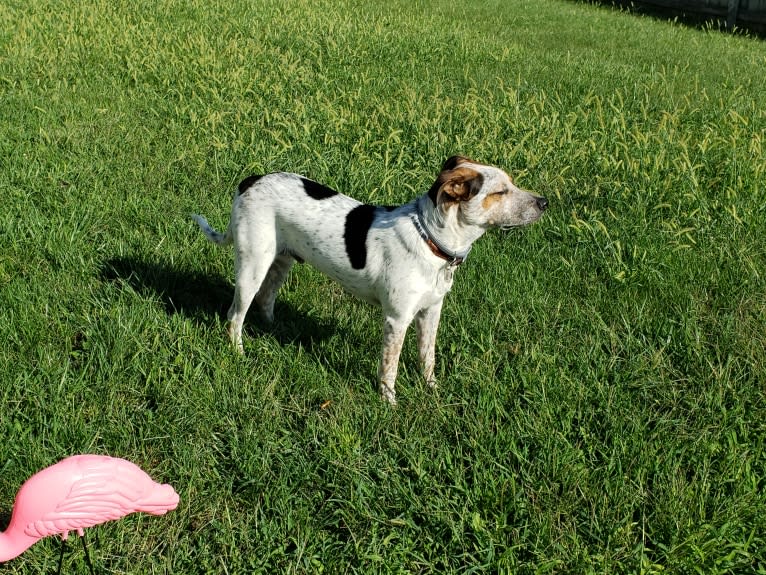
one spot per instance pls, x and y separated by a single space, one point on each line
275 277
251 271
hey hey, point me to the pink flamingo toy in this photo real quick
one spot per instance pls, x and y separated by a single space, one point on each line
78 492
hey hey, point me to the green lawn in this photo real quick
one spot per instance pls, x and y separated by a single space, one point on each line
602 402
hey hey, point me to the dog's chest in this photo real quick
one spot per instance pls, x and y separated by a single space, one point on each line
413 283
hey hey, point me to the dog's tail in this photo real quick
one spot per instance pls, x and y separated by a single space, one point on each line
210 233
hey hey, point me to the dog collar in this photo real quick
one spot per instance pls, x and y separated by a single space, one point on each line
454 258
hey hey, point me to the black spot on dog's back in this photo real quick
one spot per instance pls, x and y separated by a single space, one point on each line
358 222
317 191
245 184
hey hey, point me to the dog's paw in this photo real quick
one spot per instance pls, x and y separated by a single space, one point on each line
388 395
267 317
236 341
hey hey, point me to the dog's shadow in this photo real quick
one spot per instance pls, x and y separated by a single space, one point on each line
202 297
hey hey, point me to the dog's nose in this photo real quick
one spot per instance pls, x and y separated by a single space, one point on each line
542 203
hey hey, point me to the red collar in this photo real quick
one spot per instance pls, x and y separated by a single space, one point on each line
454 258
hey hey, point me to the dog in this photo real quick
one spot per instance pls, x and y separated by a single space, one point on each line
401 258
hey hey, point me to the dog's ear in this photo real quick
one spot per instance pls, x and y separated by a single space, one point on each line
455 185
454 162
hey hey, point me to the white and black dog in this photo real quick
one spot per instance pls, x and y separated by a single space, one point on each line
400 258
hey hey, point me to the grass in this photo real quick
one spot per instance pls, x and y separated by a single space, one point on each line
601 405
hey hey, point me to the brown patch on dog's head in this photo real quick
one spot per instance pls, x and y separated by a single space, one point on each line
490 200
455 183
494 196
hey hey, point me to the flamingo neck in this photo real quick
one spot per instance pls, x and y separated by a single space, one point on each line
13 542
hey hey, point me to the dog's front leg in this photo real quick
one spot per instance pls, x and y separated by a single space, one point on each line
393 338
426 324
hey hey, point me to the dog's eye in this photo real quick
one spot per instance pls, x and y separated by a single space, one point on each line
502 191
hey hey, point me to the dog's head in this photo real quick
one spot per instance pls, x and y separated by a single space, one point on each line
484 195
